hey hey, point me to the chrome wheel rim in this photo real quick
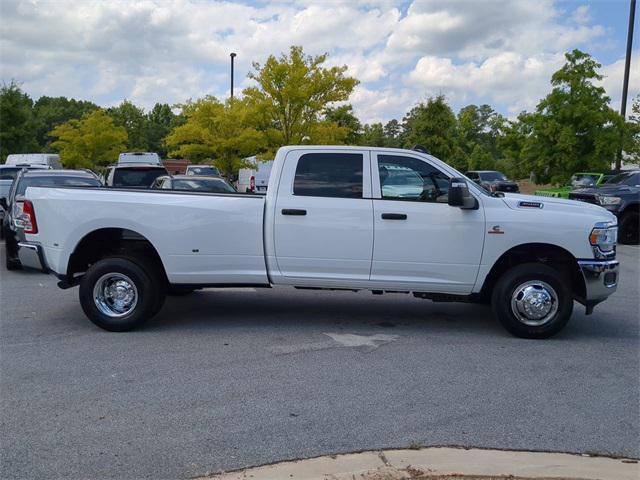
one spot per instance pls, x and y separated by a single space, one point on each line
534 303
115 295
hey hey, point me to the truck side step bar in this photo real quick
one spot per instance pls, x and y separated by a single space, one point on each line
447 297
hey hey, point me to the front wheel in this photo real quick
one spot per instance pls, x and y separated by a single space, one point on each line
119 294
629 232
532 300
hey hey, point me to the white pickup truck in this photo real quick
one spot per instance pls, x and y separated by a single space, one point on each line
385 220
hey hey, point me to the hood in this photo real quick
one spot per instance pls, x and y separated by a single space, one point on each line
610 188
518 201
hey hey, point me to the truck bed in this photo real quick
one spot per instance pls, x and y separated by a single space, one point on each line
201 238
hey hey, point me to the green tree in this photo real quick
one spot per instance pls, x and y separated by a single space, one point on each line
373 135
52 111
632 136
17 125
135 122
225 133
392 133
573 127
510 143
160 121
293 91
433 125
478 130
328 133
91 142
344 117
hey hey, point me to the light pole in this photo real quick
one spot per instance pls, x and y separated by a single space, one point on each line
232 55
627 65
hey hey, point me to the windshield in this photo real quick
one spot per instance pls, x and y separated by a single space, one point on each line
140 177
207 170
626 178
213 185
55 181
9 173
492 176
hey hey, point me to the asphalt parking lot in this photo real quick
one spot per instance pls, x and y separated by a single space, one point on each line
227 379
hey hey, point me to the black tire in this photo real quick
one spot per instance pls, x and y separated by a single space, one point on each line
513 280
149 298
629 226
178 291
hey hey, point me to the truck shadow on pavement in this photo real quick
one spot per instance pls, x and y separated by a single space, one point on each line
391 313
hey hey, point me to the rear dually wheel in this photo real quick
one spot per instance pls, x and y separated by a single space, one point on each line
120 293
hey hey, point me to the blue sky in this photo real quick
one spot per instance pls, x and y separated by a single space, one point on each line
500 52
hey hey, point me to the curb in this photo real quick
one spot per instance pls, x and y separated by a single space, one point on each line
443 461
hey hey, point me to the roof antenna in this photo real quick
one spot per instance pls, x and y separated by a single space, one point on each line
421 149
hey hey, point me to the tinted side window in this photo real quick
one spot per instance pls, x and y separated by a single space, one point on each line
329 175
56 181
411 179
633 180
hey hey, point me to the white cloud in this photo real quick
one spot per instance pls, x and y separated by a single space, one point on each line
383 104
501 51
506 78
613 77
581 15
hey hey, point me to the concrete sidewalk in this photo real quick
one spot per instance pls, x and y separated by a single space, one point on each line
444 461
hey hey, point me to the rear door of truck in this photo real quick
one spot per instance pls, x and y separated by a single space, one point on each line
323 225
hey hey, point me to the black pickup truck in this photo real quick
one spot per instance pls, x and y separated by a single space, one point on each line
621 196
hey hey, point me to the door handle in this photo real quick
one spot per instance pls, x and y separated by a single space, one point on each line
394 216
293 211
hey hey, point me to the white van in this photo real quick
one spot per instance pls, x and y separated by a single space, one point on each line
139 157
255 180
51 160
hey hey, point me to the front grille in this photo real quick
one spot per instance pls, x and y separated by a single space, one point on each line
584 197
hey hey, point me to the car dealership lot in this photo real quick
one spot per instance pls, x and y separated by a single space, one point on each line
226 379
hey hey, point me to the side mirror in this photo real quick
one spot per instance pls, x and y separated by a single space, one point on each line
459 195
3 203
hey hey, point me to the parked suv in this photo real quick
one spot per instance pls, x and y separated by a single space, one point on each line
621 196
493 181
7 174
134 170
133 175
13 204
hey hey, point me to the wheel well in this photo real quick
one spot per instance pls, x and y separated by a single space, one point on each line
112 241
634 207
551 255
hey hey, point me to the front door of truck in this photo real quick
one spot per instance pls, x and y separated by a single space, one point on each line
323 218
420 242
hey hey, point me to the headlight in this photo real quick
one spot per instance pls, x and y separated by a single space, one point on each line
603 238
606 200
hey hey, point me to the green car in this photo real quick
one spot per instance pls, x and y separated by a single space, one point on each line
578 180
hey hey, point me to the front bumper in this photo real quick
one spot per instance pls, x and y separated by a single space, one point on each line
31 256
600 280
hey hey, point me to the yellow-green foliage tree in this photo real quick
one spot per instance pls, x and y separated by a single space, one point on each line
93 141
291 94
225 133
